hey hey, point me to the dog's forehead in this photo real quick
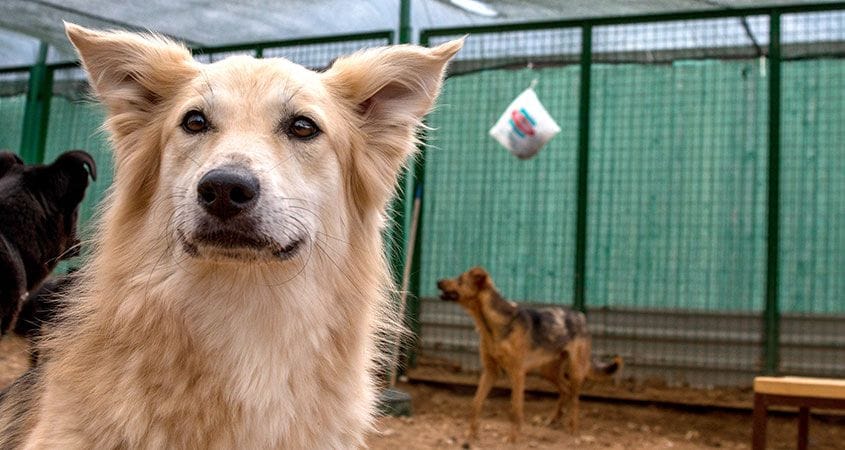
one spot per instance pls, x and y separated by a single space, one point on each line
250 76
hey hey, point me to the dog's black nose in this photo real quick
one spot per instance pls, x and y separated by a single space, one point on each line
226 192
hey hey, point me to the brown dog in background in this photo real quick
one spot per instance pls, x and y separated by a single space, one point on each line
552 342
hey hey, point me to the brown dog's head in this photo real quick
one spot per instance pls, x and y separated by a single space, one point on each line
466 287
257 159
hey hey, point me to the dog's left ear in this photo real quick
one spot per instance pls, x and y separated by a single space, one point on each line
388 90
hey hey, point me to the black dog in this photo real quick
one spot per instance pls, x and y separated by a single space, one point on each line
43 306
9 161
39 206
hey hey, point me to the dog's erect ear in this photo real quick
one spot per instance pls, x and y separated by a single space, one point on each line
479 277
389 90
129 71
80 157
8 160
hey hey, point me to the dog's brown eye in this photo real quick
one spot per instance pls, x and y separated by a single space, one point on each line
194 122
303 128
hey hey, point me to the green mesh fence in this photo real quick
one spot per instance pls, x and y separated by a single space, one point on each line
13 89
812 227
482 205
74 123
812 201
677 205
677 191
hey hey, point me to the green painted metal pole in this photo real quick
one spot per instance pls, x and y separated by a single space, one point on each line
405 21
771 313
413 188
403 201
37 112
578 298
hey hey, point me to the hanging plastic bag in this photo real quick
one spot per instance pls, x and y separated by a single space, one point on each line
526 126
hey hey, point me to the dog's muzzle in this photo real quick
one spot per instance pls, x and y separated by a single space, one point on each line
228 196
447 295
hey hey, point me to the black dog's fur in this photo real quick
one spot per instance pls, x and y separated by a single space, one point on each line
43 306
39 206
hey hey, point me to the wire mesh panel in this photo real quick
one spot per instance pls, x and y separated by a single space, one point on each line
483 206
13 89
212 56
812 226
677 196
74 123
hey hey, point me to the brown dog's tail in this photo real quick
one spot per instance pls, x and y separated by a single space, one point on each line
601 370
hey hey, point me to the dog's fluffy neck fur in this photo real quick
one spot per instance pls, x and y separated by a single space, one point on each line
250 333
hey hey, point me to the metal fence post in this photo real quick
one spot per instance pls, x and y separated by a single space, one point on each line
771 313
402 204
414 188
579 300
37 112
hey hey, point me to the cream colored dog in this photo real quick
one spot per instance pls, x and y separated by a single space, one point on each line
238 283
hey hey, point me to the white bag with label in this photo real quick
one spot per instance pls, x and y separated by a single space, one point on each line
525 127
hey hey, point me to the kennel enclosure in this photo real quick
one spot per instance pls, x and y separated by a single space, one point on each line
693 204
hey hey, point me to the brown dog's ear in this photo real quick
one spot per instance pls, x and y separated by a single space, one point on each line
479 277
388 91
128 71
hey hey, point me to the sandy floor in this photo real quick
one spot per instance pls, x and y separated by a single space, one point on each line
440 421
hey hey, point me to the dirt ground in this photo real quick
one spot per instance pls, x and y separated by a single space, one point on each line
440 421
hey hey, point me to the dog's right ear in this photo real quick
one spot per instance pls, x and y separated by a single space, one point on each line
480 277
8 160
80 158
131 72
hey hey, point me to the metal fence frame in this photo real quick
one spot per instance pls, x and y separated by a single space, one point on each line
771 313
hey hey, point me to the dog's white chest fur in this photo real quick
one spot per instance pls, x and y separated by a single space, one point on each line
280 378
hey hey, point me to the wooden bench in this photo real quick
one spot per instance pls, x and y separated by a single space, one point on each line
803 393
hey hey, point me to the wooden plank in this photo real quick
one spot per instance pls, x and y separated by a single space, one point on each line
801 386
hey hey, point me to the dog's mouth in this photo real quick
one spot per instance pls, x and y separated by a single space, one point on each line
237 244
450 296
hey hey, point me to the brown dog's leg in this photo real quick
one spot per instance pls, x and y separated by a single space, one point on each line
579 368
517 377
556 373
563 389
488 377
574 403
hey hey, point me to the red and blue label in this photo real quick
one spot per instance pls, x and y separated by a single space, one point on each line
522 123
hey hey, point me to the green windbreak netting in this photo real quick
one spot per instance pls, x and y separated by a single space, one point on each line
319 55
677 204
13 88
812 207
74 124
678 167
482 205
